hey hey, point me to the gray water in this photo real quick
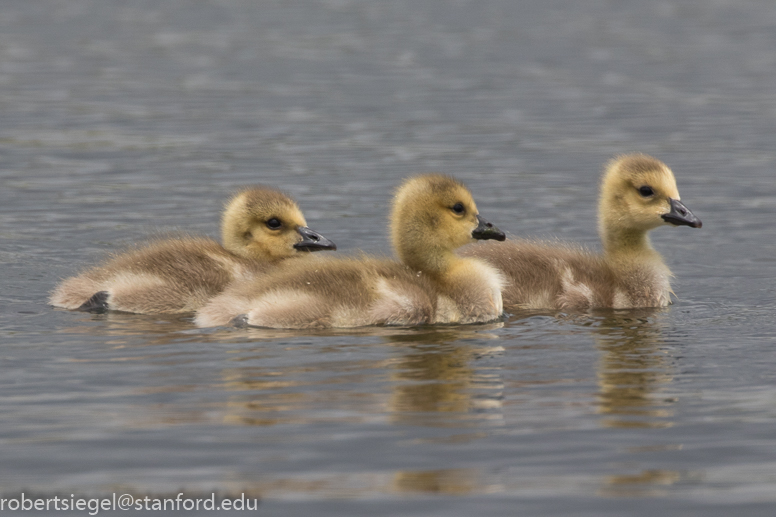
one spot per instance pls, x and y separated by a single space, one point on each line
123 120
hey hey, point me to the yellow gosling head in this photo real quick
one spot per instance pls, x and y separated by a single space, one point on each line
638 194
432 215
264 224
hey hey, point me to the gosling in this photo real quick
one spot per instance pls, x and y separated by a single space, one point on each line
260 227
638 194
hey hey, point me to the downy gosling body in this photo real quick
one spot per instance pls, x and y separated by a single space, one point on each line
638 194
260 227
432 215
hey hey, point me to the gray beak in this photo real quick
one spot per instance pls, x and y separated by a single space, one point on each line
680 215
485 230
313 241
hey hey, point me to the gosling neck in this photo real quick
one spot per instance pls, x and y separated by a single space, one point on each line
434 260
628 246
248 250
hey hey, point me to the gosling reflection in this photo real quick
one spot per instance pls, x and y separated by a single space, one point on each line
140 330
446 481
647 483
432 383
435 382
634 368
123 328
634 372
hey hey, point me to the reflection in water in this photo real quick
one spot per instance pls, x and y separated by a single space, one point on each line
446 481
439 377
633 369
429 376
435 382
647 483
300 394
431 383
368 484
124 328
162 329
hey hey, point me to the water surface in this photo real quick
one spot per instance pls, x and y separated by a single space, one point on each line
123 120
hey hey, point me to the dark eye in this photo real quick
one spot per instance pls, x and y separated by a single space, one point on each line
273 223
646 191
458 208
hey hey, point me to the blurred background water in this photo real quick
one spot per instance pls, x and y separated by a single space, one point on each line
122 120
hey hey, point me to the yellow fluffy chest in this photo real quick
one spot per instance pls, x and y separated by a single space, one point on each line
471 293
